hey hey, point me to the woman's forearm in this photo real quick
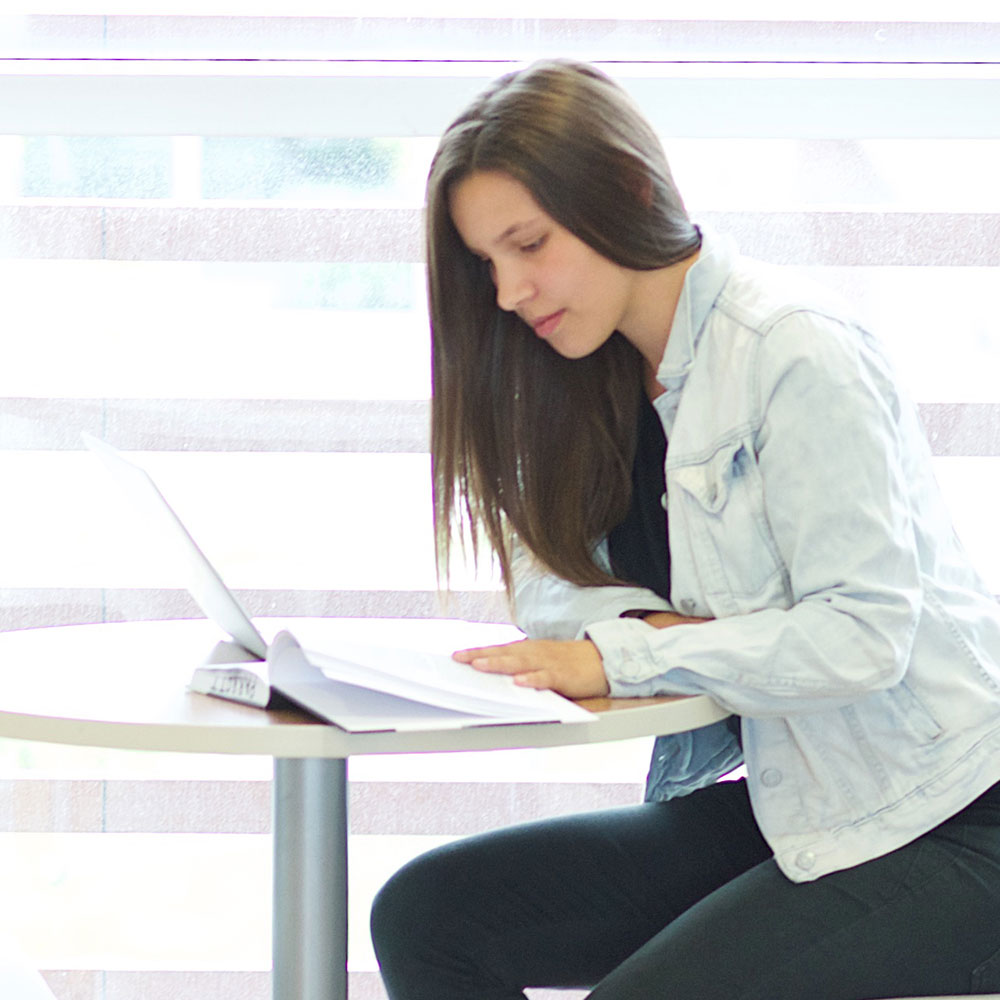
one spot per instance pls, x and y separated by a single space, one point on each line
664 619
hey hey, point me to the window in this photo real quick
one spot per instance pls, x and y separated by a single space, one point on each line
210 234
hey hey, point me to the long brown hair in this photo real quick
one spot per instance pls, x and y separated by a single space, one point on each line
524 440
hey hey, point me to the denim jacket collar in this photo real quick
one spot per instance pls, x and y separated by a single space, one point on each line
702 285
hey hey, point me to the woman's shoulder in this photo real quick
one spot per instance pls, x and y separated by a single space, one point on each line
768 318
769 321
759 296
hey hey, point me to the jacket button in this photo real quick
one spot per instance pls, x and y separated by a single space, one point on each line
771 777
805 860
663 501
687 606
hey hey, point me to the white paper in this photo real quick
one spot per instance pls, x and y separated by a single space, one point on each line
439 680
395 689
18 980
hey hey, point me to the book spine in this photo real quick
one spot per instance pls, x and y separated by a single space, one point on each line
232 683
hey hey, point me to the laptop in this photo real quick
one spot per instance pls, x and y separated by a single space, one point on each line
358 687
204 584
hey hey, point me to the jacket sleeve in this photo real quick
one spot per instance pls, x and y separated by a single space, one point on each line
831 463
548 607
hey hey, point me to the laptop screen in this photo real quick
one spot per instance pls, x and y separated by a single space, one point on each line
199 575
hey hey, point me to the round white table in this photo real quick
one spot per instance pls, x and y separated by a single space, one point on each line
123 685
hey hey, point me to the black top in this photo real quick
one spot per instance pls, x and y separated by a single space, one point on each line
638 546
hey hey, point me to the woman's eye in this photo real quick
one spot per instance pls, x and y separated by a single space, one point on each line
533 245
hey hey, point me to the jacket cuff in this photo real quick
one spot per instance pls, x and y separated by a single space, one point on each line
629 665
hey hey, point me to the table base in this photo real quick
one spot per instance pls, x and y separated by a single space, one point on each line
309 936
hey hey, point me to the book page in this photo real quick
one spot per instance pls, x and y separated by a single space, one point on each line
439 680
412 682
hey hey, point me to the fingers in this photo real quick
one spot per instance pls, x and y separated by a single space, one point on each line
523 672
572 668
507 659
540 680
500 659
497 662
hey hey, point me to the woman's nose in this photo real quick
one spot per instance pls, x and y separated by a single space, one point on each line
513 287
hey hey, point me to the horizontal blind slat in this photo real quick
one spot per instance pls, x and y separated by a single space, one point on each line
327 426
382 808
41 607
244 425
280 233
86 984
123 35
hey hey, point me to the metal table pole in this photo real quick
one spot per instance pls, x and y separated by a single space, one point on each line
309 823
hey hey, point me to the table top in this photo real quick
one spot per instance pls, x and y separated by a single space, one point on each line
124 685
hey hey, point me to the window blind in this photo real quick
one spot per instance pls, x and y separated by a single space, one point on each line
210 238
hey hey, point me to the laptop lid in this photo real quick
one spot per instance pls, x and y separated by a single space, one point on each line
199 575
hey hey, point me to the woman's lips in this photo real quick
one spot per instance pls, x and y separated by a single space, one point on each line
546 326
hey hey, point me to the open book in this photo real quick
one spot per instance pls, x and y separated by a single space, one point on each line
357 687
365 688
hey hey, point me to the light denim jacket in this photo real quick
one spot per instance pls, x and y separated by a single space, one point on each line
850 631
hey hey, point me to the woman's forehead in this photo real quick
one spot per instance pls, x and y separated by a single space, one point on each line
490 207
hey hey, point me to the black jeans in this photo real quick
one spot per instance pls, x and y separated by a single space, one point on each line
683 901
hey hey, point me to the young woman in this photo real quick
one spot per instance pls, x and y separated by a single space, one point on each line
698 477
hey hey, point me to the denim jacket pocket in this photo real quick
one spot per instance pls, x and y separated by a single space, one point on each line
912 714
722 505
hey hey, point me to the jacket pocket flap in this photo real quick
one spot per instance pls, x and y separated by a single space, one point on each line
710 482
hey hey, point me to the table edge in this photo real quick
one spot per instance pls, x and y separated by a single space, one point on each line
311 738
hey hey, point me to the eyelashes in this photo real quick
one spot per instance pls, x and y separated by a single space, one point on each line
533 245
524 248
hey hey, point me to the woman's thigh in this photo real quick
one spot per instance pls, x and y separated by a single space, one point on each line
921 921
556 903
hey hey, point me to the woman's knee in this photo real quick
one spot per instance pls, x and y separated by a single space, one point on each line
399 905
418 900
